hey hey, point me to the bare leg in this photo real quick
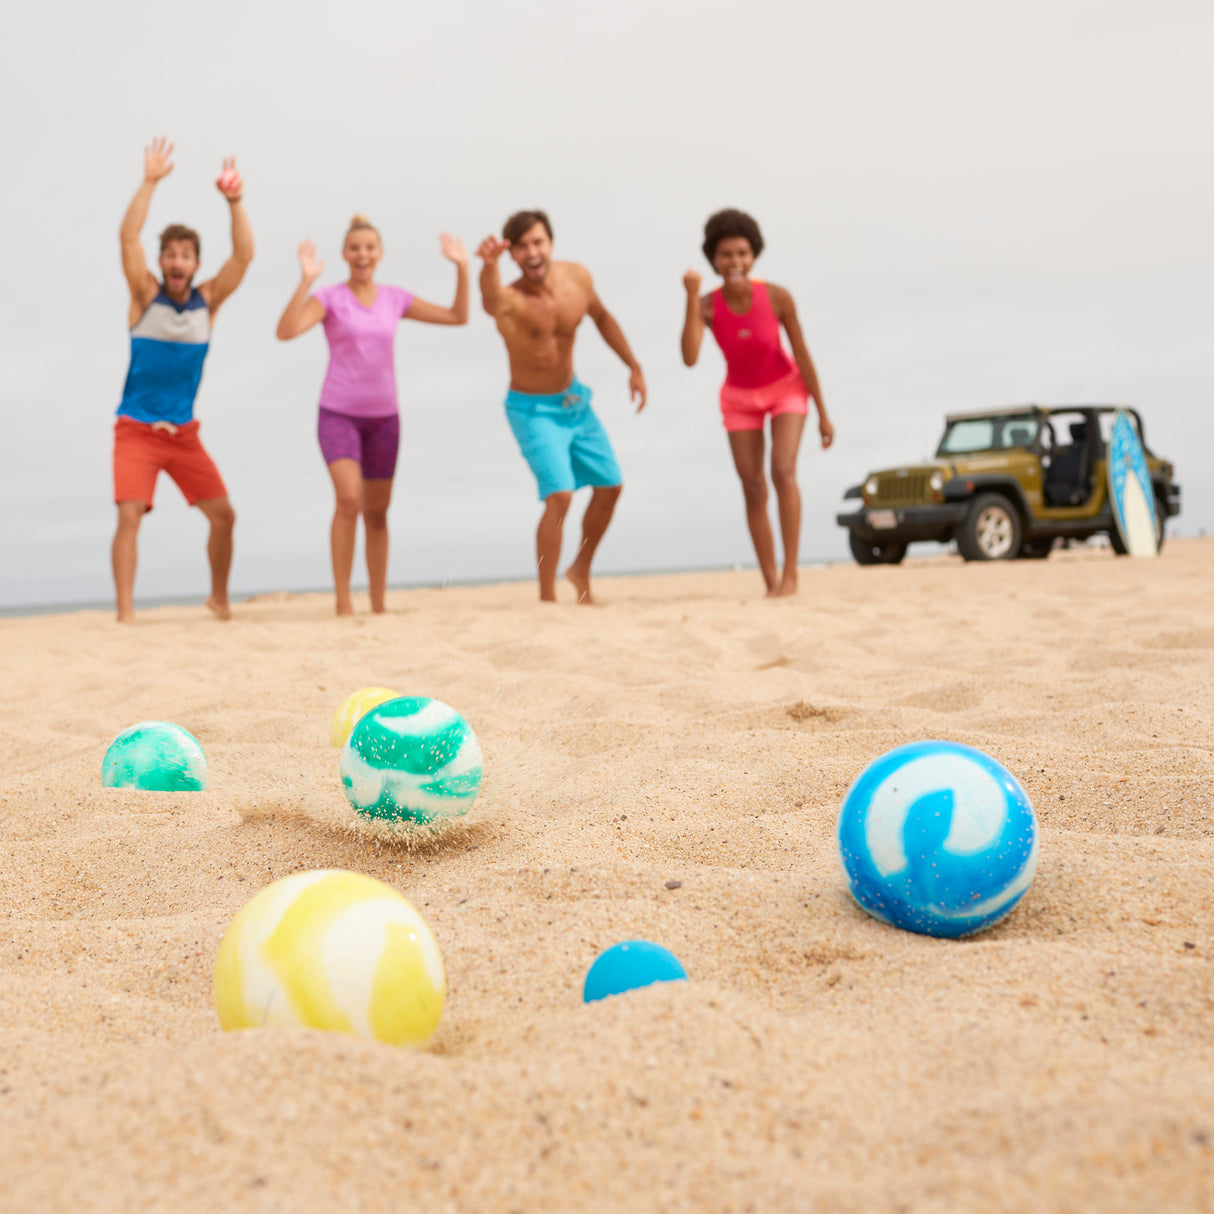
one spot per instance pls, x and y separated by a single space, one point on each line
222 518
785 442
377 495
348 488
123 555
747 448
548 542
594 524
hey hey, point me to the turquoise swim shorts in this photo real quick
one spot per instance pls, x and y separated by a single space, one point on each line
562 439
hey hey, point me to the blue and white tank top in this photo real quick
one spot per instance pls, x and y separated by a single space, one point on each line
168 345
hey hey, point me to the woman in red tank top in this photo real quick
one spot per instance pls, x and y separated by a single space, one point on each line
762 378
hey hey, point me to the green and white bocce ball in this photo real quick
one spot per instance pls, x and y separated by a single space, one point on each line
412 760
155 755
331 950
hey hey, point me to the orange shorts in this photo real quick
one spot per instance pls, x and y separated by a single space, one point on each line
142 452
746 408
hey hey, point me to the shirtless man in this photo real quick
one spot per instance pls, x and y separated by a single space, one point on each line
170 322
547 407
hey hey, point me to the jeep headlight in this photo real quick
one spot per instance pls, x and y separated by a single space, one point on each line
870 487
937 481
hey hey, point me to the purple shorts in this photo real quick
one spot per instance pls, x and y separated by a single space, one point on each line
372 442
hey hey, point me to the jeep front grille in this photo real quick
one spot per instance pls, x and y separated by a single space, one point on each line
895 490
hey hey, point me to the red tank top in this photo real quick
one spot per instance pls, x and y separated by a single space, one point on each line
754 357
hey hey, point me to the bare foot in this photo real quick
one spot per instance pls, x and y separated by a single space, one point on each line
219 608
126 617
345 609
581 583
784 589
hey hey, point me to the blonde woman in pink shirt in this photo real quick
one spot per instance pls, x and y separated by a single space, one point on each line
359 426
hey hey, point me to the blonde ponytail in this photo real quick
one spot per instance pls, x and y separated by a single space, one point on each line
359 223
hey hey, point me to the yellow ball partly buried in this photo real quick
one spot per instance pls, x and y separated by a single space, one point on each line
352 708
331 950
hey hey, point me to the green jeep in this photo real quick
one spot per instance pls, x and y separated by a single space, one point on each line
1004 484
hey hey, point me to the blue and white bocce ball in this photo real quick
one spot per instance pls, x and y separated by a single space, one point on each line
938 838
157 756
412 760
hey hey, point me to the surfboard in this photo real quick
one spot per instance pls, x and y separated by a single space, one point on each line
1130 490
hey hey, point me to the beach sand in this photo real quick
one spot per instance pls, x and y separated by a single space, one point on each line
686 732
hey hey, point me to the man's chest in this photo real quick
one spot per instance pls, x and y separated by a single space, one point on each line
554 314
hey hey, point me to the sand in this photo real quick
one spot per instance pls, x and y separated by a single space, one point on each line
686 732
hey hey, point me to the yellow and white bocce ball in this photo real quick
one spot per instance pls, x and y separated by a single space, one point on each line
331 950
353 707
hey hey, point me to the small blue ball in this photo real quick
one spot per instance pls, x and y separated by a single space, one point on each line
938 838
629 966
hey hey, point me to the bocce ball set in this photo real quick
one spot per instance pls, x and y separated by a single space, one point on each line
934 837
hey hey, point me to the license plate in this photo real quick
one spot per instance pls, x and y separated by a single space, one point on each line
882 520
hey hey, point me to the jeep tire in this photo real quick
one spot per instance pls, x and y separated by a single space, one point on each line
889 553
991 530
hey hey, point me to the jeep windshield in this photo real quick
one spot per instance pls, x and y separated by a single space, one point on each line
969 434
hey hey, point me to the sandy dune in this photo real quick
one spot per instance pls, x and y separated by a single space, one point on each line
687 732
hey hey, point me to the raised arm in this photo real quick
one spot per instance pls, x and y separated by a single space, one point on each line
786 314
157 163
693 321
613 335
491 284
457 314
233 270
304 310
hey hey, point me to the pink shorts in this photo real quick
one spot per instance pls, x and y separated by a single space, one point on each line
745 408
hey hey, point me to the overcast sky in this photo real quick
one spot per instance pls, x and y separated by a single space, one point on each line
972 203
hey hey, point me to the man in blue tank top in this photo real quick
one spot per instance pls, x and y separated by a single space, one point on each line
170 322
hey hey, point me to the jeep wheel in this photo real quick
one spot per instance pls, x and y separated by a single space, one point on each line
1037 549
1118 544
889 553
991 530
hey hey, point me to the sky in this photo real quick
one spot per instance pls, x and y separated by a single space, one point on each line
972 205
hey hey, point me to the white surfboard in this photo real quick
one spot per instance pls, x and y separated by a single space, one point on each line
1130 491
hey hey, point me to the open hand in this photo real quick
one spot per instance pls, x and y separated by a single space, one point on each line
826 430
691 280
491 248
157 159
453 248
637 389
307 260
229 183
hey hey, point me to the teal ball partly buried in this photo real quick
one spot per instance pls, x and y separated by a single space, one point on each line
412 761
156 756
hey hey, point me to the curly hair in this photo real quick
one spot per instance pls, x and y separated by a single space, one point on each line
178 231
522 222
730 222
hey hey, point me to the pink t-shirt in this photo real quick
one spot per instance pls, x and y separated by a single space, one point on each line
361 379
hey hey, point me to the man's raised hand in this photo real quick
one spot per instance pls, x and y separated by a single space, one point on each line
491 248
453 248
157 159
229 183
311 268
